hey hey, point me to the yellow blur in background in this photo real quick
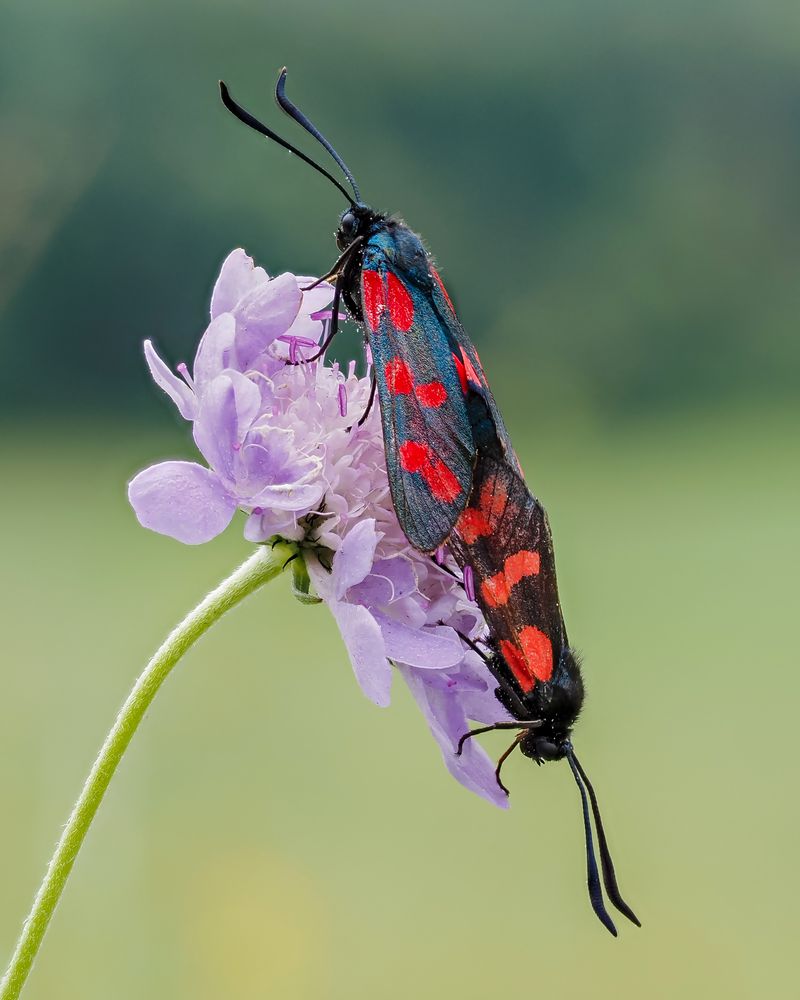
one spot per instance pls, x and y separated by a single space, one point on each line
611 191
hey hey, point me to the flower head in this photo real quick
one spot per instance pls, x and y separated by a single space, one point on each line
282 444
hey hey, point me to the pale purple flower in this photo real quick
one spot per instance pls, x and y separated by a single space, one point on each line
254 465
403 610
283 445
377 605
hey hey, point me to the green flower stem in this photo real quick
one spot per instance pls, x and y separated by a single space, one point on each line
265 564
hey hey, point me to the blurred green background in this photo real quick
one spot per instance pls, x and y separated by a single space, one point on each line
611 189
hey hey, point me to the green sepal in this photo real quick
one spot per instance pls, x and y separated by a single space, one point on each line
301 583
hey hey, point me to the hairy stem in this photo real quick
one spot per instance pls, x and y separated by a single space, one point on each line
265 564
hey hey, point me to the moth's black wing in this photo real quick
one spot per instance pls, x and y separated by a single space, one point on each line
470 369
503 538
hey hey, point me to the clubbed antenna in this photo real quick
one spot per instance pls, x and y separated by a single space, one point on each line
592 875
256 125
609 875
295 113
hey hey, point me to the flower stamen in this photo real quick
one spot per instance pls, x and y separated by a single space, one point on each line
183 371
469 582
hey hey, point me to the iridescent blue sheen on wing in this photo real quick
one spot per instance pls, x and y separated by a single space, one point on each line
429 442
428 376
487 433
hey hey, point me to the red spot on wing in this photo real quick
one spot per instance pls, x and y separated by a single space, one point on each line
442 289
478 522
469 369
442 481
401 305
496 590
415 456
518 665
431 394
538 652
472 525
462 375
398 377
521 564
373 298
400 381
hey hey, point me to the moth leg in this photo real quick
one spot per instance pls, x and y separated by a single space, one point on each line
457 578
334 271
482 730
486 657
337 296
516 724
510 700
502 760
370 401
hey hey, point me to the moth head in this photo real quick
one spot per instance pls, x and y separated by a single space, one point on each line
353 223
545 746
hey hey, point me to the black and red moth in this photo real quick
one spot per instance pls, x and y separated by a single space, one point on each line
503 544
454 477
423 361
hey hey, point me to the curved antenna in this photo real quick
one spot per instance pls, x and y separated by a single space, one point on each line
295 113
609 875
592 875
256 125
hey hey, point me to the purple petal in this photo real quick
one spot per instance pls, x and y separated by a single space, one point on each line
248 401
476 687
306 324
315 299
475 770
322 580
276 454
433 648
273 474
367 653
293 497
409 612
215 351
353 561
448 723
263 524
216 429
182 500
401 573
328 314
237 277
389 581
464 619
177 390
304 328
264 314
375 591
